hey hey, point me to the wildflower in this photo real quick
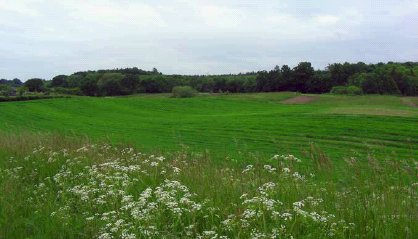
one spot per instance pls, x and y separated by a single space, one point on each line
267 186
299 204
176 170
297 176
249 213
287 216
269 168
128 236
105 236
210 234
286 170
248 168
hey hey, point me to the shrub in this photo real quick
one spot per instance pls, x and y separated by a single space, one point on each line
346 90
109 84
35 85
183 92
5 90
354 90
21 90
29 97
67 91
339 90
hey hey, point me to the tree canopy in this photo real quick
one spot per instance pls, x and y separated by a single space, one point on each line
381 78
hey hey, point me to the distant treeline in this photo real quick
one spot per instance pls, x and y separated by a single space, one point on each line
346 78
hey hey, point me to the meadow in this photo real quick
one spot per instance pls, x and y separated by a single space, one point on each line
265 165
261 122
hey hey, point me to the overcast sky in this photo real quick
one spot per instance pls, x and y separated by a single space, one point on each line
43 38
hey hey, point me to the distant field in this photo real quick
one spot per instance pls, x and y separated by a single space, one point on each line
339 125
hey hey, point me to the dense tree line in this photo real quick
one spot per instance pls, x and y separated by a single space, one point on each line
110 83
13 83
8 87
381 78
390 78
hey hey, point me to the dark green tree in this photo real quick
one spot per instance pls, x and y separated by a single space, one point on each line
59 81
35 85
5 90
129 84
302 74
110 84
319 83
16 82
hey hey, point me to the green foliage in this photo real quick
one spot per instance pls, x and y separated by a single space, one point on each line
407 83
35 85
109 84
346 90
390 78
129 84
29 97
339 90
5 90
13 83
340 73
375 83
183 92
412 86
319 83
59 81
75 80
156 84
354 90
21 90
67 91
301 75
301 78
89 85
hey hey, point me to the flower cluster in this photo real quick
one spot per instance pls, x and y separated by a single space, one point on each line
121 193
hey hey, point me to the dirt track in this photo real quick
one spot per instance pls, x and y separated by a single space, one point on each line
302 99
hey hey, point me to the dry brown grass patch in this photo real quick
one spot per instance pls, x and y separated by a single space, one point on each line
302 99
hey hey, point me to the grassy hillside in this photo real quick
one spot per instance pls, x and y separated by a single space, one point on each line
339 125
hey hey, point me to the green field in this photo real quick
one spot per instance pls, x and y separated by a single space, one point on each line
212 166
339 125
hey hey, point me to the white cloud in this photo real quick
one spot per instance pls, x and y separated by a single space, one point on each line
23 8
199 36
221 17
326 19
114 12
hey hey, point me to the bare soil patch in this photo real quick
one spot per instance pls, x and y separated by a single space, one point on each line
302 99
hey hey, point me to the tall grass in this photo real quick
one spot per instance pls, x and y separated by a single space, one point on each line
57 187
